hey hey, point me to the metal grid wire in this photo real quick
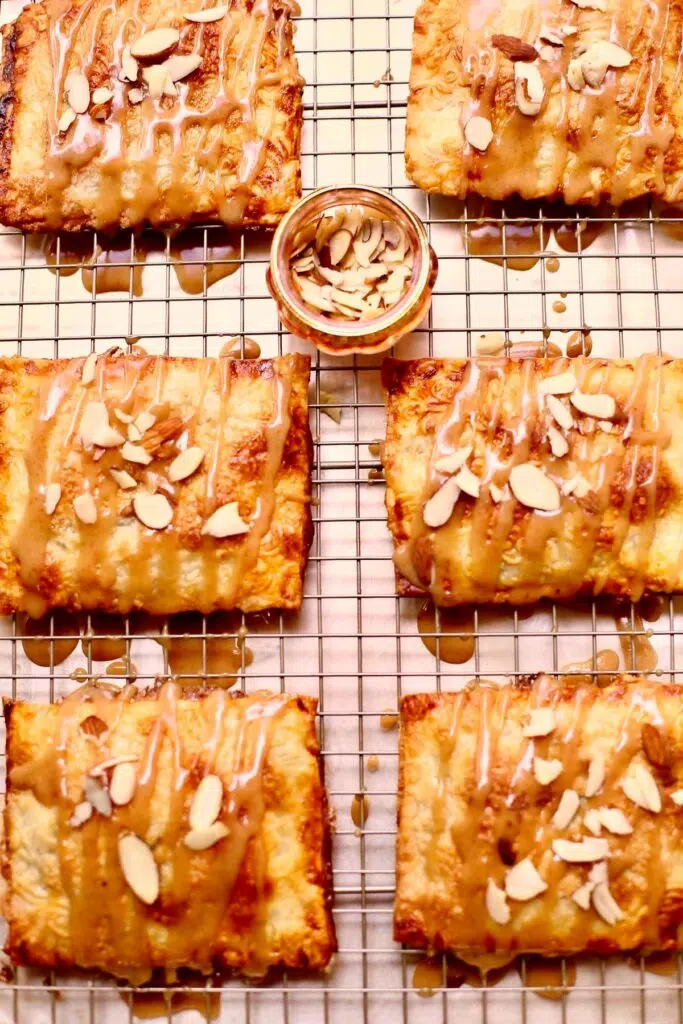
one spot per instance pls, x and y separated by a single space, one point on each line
355 644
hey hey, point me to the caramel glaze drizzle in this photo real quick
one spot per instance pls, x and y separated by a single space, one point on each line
495 814
103 912
149 577
518 554
581 138
142 151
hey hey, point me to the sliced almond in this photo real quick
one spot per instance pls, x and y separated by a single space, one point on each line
605 52
139 867
541 722
499 493
155 43
560 384
347 299
559 445
225 522
439 508
85 508
339 245
582 896
66 120
592 822
582 852
134 434
550 35
123 479
102 95
468 482
155 77
523 881
328 224
581 487
206 802
545 771
533 488
53 493
185 464
566 809
135 453
496 903
97 795
145 421
448 464
575 78
95 418
203 838
596 775
479 133
559 412
639 786
88 371
129 66
605 904
81 813
529 88
107 437
615 821
365 243
123 782
601 407
180 65
514 48
207 14
153 510
135 96
677 797
490 344
314 295
77 91
103 767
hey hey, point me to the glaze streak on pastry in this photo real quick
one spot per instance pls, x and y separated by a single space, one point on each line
617 141
226 147
250 420
471 810
259 897
614 524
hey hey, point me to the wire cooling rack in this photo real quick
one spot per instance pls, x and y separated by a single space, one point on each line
355 644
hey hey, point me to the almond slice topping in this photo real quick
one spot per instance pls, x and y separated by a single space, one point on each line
582 896
185 464
601 407
102 95
559 445
66 120
566 809
615 821
207 14
145 421
153 510
180 65
605 904
468 482
479 133
592 822
129 66
88 371
560 384
97 796
111 762
85 508
203 838
206 802
139 867
523 881
677 797
135 96
53 493
496 903
155 43
545 771
107 437
82 812
499 493
640 787
134 453
439 508
582 852
155 78
541 723
575 81
77 91
449 464
529 88
95 418
531 487
596 775
559 412
123 782
123 478
225 522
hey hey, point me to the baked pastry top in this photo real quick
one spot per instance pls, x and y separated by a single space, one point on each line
511 480
541 817
217 138
154 831
151 482
567 113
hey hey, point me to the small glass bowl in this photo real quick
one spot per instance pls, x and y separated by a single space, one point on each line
342 337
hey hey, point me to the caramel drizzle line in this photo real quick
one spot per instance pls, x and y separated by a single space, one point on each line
89 137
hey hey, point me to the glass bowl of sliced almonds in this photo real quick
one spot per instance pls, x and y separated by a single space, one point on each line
351 270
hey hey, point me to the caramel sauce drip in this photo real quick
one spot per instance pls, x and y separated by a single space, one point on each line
57 454
602 669
133 143
521 241
150 1005
498 408
552 978
56 782
198 265
427 977
636 644
663 964
213 657
50 640
449 643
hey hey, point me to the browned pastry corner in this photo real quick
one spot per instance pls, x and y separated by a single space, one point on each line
511 480
548 100
88 140
189 833
541 817
155 483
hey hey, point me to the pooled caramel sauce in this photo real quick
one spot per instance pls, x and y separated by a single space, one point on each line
123 668
663 964
519 239
360 810
375 448
478 971
105 640
373 763
498 403
45 644
651 606
427 977
552 265
211 657
552 978
559 307
447 644
534 350
573 235
200 262
150 1005
240 348
671 222
636 645
115 268
579 343
606 664
388 720
57 781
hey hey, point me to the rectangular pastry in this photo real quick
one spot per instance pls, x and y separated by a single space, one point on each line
155 483
116 116
510 480
561 100
157 831
541 817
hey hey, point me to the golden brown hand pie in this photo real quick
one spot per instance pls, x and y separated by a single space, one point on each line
511 480
615 133
157 831
220 143
541 817
100 508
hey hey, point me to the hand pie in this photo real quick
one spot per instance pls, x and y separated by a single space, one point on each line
541 817
152 831
205 125
155 483
511 480
558 100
